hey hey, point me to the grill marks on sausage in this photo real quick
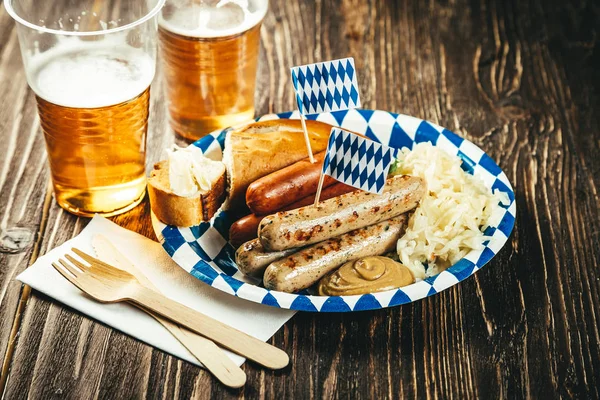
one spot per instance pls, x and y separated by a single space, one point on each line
336 244
308 225
291 262
303 236
303 268
252 259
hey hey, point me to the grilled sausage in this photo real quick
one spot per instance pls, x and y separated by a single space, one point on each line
245 229
327 193
273 192
252 259
333 217
305 267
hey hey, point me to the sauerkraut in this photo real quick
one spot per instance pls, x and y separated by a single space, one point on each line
450 220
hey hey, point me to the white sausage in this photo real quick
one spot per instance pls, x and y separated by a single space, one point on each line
336 216
252 259
305 267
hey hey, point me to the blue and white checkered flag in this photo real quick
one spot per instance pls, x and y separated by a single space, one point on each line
326 86
357 161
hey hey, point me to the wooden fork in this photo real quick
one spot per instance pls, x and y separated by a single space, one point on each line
108 284
205 350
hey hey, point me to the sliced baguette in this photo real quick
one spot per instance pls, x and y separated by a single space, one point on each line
182 211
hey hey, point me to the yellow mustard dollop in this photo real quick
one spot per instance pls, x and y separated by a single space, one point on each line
366 275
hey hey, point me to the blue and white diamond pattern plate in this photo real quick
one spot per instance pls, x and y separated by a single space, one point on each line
204 251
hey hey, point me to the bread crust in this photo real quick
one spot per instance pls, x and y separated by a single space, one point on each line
182 211
261 148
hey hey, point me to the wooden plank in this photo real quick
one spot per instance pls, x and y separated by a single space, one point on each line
514 78
23 179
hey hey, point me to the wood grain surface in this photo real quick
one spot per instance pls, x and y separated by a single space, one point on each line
520 79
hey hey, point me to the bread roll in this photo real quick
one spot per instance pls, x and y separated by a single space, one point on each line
260 148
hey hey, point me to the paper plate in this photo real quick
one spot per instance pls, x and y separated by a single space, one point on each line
204 251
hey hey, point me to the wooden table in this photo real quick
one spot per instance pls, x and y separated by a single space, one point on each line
519 78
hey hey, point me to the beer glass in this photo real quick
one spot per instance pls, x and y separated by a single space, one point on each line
209 51
90 64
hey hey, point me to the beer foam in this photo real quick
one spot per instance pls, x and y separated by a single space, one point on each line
226 18
90 75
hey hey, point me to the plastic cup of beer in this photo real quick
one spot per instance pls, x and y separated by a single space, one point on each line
209 51
90 64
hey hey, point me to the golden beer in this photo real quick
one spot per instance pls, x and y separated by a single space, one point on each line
97 154
210 72
90 64
93 107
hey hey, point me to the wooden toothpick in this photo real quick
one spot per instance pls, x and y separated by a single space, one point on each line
306 139
319 188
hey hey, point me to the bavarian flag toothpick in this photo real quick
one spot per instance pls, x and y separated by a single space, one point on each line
324 87
356 161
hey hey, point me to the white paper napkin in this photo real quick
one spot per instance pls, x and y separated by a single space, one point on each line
255 319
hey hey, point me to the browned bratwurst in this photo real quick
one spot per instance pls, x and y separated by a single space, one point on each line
273 192
305 267
252 259
333 217
246 228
